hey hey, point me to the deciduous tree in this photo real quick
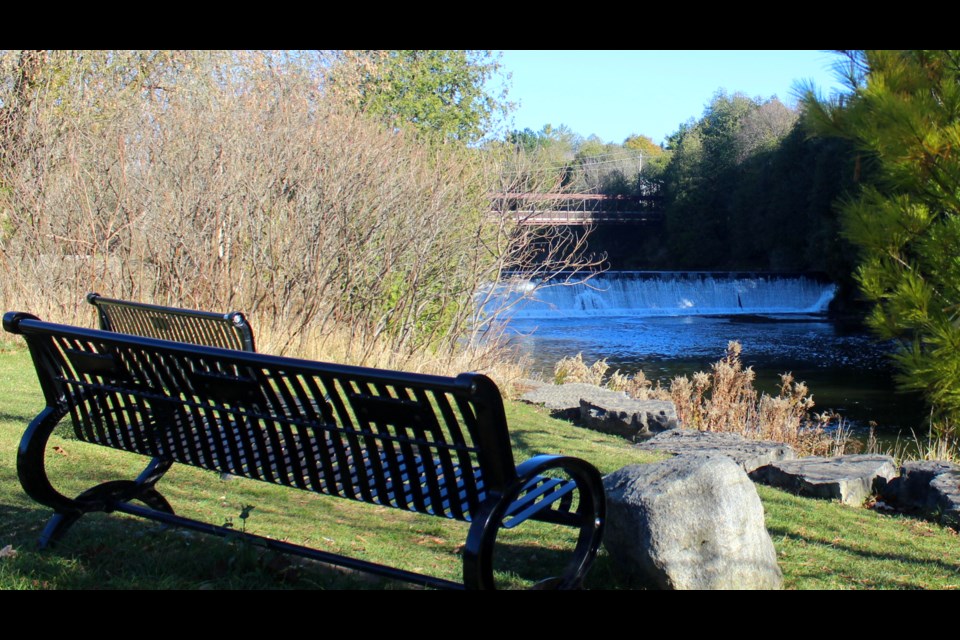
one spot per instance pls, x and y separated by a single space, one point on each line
441 93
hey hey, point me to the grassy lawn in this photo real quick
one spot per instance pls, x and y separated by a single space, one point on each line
821 545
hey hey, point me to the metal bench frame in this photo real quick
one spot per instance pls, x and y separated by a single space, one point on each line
428 444
227 331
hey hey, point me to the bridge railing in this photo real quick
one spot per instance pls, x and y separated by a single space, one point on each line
579 208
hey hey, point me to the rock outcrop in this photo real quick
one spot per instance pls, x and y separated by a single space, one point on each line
849 479
749 454
635 420
928 487
604 410
563 400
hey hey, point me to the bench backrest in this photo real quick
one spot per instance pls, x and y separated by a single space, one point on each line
423 443
228 331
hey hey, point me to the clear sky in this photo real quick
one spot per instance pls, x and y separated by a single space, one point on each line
614 94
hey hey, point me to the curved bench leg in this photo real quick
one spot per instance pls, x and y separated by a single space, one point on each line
105 496
146 482
153 499
588 518
31 470
56 527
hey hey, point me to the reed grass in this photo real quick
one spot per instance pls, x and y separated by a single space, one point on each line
725 399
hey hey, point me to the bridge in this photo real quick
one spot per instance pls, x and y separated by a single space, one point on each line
579 209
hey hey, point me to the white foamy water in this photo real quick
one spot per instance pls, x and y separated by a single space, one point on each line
647 294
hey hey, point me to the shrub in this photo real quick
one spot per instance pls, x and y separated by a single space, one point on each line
228 181
726 400
576 370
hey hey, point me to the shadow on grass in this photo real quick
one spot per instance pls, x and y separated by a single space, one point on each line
115 552
17 418
19 524
876 581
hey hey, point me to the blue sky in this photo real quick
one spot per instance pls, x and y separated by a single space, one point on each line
614 94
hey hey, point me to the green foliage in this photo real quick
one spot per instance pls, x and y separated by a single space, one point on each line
590 164
745 187
643 144
903 115
440 93
544 158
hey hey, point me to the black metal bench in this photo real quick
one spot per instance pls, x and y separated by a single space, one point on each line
228 330
428 444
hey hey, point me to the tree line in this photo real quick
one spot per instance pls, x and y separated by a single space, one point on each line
745 186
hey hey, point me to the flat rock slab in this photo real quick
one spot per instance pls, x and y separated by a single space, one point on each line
928 487
946 487
849 479
564 399
749 454
632 419
691 522
911 491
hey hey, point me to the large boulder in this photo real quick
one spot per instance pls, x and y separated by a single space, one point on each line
691 522
632 419
849 479
749 454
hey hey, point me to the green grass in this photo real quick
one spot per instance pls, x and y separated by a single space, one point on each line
821 545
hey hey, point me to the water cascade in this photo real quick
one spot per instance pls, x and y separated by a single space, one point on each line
670 294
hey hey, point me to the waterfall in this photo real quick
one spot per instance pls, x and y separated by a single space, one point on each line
639 293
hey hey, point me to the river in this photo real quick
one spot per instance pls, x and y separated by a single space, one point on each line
673 323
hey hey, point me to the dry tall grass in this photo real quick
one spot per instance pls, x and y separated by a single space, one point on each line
574 369
940 443
233 181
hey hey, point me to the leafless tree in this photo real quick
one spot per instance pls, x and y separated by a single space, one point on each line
233 181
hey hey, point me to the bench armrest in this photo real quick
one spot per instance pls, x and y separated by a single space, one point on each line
551 488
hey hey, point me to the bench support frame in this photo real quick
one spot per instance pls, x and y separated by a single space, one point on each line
478 552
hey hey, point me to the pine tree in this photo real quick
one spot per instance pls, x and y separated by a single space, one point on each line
903 115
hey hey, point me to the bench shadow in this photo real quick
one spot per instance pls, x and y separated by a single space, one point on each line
19 418
111 551
114 551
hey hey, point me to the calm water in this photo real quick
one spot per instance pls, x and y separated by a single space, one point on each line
844 367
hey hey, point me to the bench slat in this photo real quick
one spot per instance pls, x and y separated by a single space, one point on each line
538 495
228 331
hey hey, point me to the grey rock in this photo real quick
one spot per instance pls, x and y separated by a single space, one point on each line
849 479
911 490
691 522
946 487
928 487
749 454
632 419
564 399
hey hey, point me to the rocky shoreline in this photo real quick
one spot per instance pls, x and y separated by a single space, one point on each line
706 493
